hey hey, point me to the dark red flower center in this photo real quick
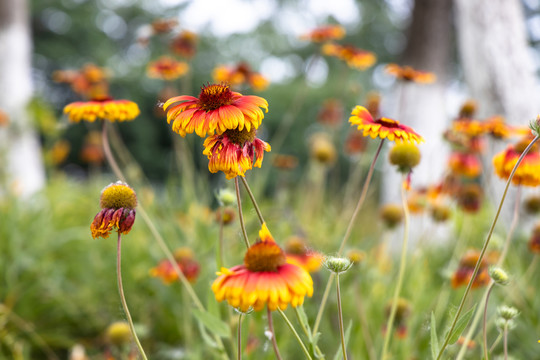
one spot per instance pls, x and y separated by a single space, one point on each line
391 123
240 137
264 256
213 96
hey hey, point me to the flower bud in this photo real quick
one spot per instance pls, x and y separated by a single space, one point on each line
337 264
498 275
118 333
226 197
507 312
535 126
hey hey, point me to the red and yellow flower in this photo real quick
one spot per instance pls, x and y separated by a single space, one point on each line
496 127
383 128
465 270
356 58
469 197
325 33
106 109
216 110
527 173
299 254
265 278
117 202
185 260
185 44
166 68
465 164
233 151
407 73
239 74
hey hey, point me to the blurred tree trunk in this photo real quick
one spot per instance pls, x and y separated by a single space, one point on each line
422 106
19 148
496 58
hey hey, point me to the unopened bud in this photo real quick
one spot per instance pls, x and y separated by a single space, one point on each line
535 126
336 264
498 275
507 312
226 197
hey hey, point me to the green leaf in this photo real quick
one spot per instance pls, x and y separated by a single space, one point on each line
212 323
434 339
461 325
339 352
206 338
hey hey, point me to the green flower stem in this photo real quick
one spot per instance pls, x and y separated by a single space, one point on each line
340 316
161 242
221 262
483 251
273 333
250 193
318 352
240 214
239 336
347 235
484 330
401 274
505 341
306 352
123 298
495 343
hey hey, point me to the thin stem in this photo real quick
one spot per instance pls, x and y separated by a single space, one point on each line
122 297
401 274
239 336
306 352
220 243
495 343
273 333
108 153
347 234
340 316
240 214
484 248
515 219
505 341
486 352
250 193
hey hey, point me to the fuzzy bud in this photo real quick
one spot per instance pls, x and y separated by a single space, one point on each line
507 312
226 197
535 126
498 275
337 264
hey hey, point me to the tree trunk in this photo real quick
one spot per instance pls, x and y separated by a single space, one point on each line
19 147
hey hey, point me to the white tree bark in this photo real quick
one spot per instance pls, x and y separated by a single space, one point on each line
496 59
19 148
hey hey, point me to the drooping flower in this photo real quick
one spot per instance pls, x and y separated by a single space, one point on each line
465 270
265 278
184 258
233 151
216 110
407 73
465 164
118 202
106 109
527 173
383 128
298 253
325 33
185 44
166 68
356 58
239 74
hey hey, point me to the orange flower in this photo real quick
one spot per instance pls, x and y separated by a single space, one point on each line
184 259
163 26
331 112
106 109
232 152
496 127
355 143
465 164
265 278
325 33
383 128
407 73
464 272
217 109
527 173
354 57
118 202
469 128
166 68
299 254
90 81
184 44
239 74
92 150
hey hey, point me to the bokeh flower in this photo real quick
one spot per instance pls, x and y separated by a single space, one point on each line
391 215
407 73
285 162
118 202
322 149
325 33
92 149
403 310
497 128
405 156
534 241
216 110
166 68
469 197
265 278
354 57
233 152
464 272
185 260
106 109
465 164
331 112
298 253
225 214
240 74
383 128
185 44
527 173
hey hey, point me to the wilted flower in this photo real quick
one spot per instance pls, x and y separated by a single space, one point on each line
469 197
118 202
440 212
225 215
534 242
265 278
532 204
